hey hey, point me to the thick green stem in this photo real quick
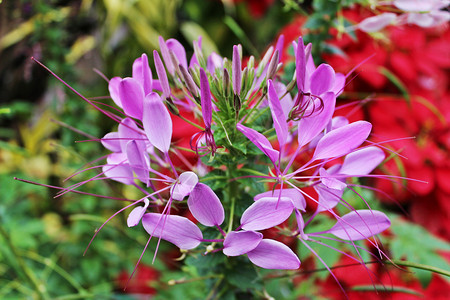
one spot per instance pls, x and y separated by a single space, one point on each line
232 194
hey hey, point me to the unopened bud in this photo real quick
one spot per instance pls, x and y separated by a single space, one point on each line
262 65
190 84
175 62
273 66
172 107
199 54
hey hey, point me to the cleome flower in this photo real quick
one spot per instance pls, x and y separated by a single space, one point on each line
311 148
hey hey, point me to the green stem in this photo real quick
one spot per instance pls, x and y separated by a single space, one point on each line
232 193
403 263
254 108
60 271
39 287
190 122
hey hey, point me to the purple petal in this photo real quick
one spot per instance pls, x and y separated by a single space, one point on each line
240 242
166 56
194 61
184 186
328 198
309 127
142 73
360 224
322 80
339 84
132 97
376 23
128 131
113 87
266 213
363 161
342 140
414 5
260 141
297 198
270 254
138 163
205 206
215 61
162 74
111 141
280 45
178 50
157 122
118 168
236 70
300 225
300 65
136 214
279 119
334 183
205 96
338 122
175 229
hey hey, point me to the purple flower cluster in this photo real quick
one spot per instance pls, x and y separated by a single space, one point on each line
303 123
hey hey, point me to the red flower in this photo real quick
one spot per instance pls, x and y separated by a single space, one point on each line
141 281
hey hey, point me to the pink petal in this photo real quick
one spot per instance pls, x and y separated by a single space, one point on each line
166 56
279 119
132 97
360 224
240 242
300 65
309 127
342 140
205 206
328 198
111 141
128 131
414 5
215 61
136 214
297 198
178 50
177 230
260 141
363 161
339 84
162 75
138 163
113 87
376 23
142 73
322 80
118 168
334 183
184 186
266 213
157 122
270 254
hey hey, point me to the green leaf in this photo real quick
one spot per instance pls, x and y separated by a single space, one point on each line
415 244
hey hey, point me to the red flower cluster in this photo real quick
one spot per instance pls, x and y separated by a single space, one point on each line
394 283
420 60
